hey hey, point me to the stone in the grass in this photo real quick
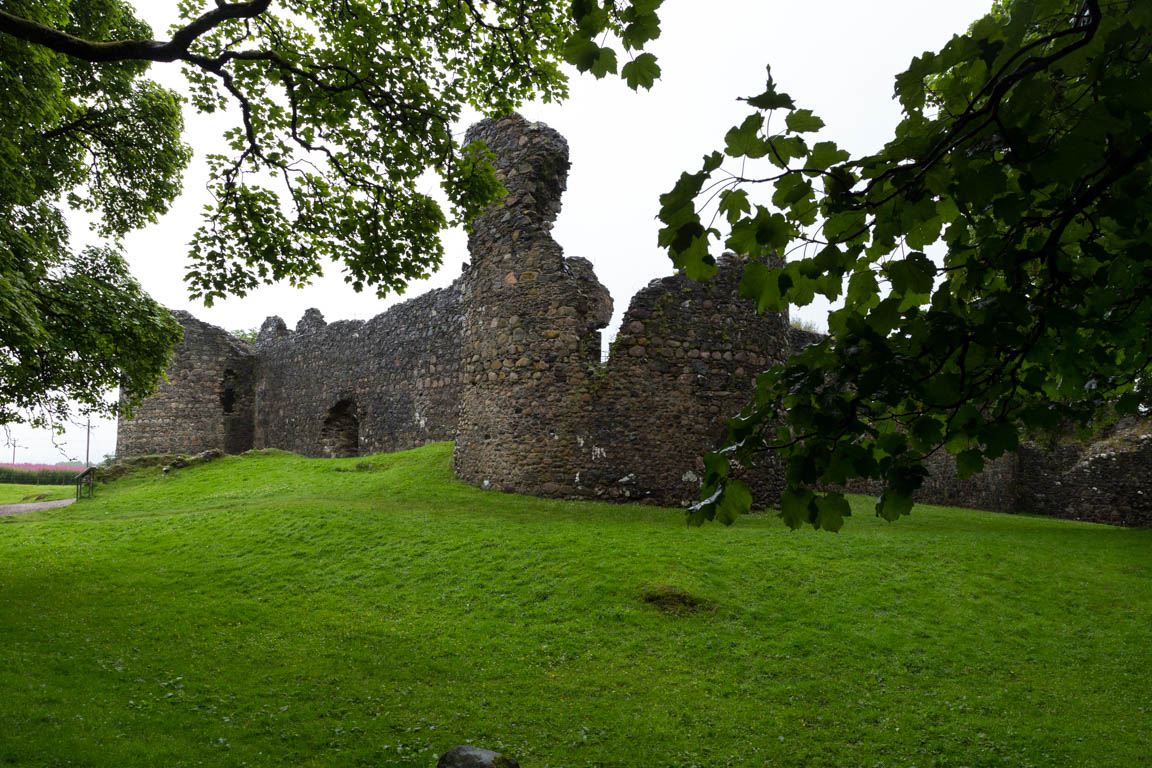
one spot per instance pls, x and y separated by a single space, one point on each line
474 757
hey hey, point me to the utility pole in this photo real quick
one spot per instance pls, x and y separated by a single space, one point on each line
88 444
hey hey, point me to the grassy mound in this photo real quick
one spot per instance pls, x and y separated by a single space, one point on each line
270 610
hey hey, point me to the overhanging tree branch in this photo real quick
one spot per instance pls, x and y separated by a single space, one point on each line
97 51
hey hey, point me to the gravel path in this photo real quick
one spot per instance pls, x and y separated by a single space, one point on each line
15 509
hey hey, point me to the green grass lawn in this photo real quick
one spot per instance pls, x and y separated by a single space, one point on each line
271 610
14 493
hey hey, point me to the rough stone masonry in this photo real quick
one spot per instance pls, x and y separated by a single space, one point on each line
505 362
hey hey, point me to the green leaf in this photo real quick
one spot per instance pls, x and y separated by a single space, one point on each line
696 262
803 121
841 226
735 501
791 189
641 72
999 438
784 148
760 284
910 83
705 509
969 462
683 194
832 508
716 467
825 154
797 507
734 204
766 232
929 431
604 63
678 212
745 140
862 288
923 233
643 28
590 18
581 52
1128 403
915 274
892 505
770 99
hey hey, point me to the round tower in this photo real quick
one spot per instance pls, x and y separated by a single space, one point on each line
531 322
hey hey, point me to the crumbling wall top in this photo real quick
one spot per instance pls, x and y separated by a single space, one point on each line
271 329
531 161
312 320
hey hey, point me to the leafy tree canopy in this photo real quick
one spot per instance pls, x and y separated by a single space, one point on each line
993 262
337 110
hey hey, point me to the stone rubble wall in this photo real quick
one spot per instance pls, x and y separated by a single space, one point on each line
1108 480
993 489
204 403
1103 479
396 374
682 364
798 338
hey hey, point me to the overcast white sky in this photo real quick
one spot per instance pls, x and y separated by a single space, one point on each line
836 57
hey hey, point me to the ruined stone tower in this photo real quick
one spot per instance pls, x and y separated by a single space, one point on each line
505 361
532 322
539 412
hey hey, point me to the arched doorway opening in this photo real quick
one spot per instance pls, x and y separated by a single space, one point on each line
340 433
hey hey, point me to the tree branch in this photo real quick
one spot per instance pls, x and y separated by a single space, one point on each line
129 50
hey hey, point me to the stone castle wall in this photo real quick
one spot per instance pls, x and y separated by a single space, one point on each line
506 362
1106 480
1103 479
205 402
353 387
682 364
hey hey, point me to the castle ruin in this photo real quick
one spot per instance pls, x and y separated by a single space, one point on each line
506 363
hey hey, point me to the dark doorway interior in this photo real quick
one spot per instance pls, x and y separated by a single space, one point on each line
228 391
236 408
340 433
